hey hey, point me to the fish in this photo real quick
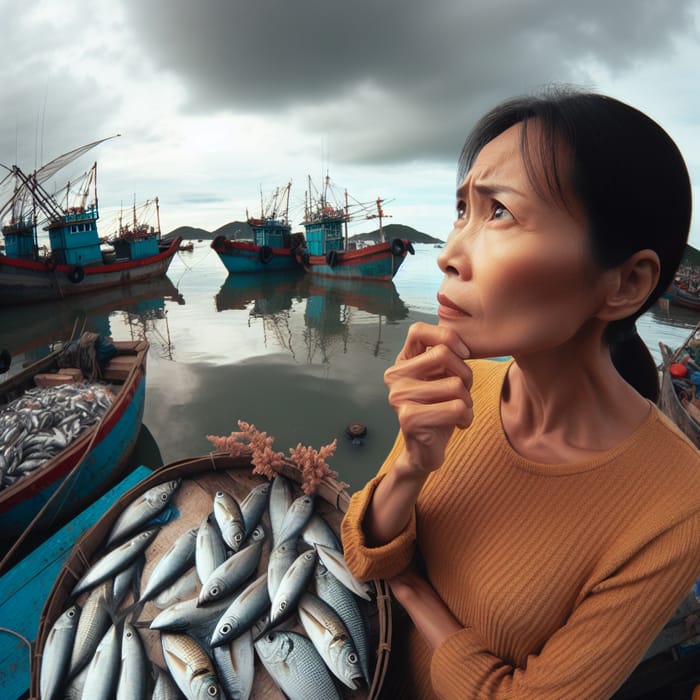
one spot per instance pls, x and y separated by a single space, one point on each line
296 517
318 531
331 639
334 561
244 611
292 586
280 501
178 559
235 666
114 561
229 575
103 670
187 616
142 509
55 659
133 673
210 550
229 518
182 589
190 667
295 666
280 559
253 506
127 581
95 619
349 609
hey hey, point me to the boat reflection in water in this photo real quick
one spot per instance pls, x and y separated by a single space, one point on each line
333 309
133 310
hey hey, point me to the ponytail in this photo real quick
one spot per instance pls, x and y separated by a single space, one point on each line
632 359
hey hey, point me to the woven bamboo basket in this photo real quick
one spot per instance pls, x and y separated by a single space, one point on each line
201 478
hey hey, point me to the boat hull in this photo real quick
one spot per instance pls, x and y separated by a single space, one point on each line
678 297
671 405
27 281
378 262
98 457
238 256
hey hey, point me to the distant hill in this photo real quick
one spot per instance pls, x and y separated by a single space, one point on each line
241 229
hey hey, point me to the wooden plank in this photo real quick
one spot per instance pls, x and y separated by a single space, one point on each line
25 588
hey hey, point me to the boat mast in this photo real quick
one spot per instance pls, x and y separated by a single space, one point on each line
158 216
345 223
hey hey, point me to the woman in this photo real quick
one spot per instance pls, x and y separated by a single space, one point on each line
538 518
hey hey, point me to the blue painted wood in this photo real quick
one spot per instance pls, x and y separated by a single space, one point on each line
25 588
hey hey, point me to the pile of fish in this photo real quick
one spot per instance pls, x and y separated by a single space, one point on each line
261 577
43 421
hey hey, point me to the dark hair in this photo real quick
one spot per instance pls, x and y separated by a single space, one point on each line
630 178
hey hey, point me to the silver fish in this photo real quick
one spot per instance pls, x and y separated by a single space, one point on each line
227 577
190 667
281 558
142 509
234 665
292 586
348 607
229 518
281 499
210 551
318 531
103 670
55 659
243 612
253 506
296 517
334 561
296 666
186 616
331 639
127 581
94 621
75 687
172 564
133 674
115 561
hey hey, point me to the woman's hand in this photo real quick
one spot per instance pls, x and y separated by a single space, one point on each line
429 390
429 613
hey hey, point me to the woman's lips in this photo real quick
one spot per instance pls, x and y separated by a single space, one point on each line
448 309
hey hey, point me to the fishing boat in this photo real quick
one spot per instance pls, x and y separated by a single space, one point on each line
187 489
273 246
681 296
328 251
98 451
677 398
73 262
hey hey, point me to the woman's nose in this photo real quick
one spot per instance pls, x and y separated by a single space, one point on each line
454 258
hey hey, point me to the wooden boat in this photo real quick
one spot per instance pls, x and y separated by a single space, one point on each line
201 478
94 459
273 246
328 252
675 398
75 263
682 297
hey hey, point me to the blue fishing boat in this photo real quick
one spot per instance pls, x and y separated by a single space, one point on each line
94 459
273 246
74 262
328 252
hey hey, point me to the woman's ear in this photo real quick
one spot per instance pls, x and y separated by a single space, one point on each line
630 284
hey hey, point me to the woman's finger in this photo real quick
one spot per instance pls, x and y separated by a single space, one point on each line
421 336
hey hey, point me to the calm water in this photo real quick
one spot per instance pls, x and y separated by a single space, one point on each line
300 359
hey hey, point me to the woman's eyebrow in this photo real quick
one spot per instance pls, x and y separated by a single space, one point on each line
488 190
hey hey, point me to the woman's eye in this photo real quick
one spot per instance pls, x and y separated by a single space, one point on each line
461 210
500 212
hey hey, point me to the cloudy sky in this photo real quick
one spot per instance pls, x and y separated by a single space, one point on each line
216 100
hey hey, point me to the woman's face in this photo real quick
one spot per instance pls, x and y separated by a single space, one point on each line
519 276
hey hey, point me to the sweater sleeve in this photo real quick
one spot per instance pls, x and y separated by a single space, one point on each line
600 643
367 563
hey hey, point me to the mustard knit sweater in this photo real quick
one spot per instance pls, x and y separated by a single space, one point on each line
561 574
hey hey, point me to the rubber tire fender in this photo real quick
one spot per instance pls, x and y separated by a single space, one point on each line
76 274
50 265
217 242
265 254
410 248
398 247
332 258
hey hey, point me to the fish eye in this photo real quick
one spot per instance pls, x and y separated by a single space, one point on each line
212 691
352 658
129 634
238 538
71 612
164 497
270 637
225 629
214 590
283 605
219 494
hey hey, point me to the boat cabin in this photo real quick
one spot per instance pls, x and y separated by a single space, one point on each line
74 239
